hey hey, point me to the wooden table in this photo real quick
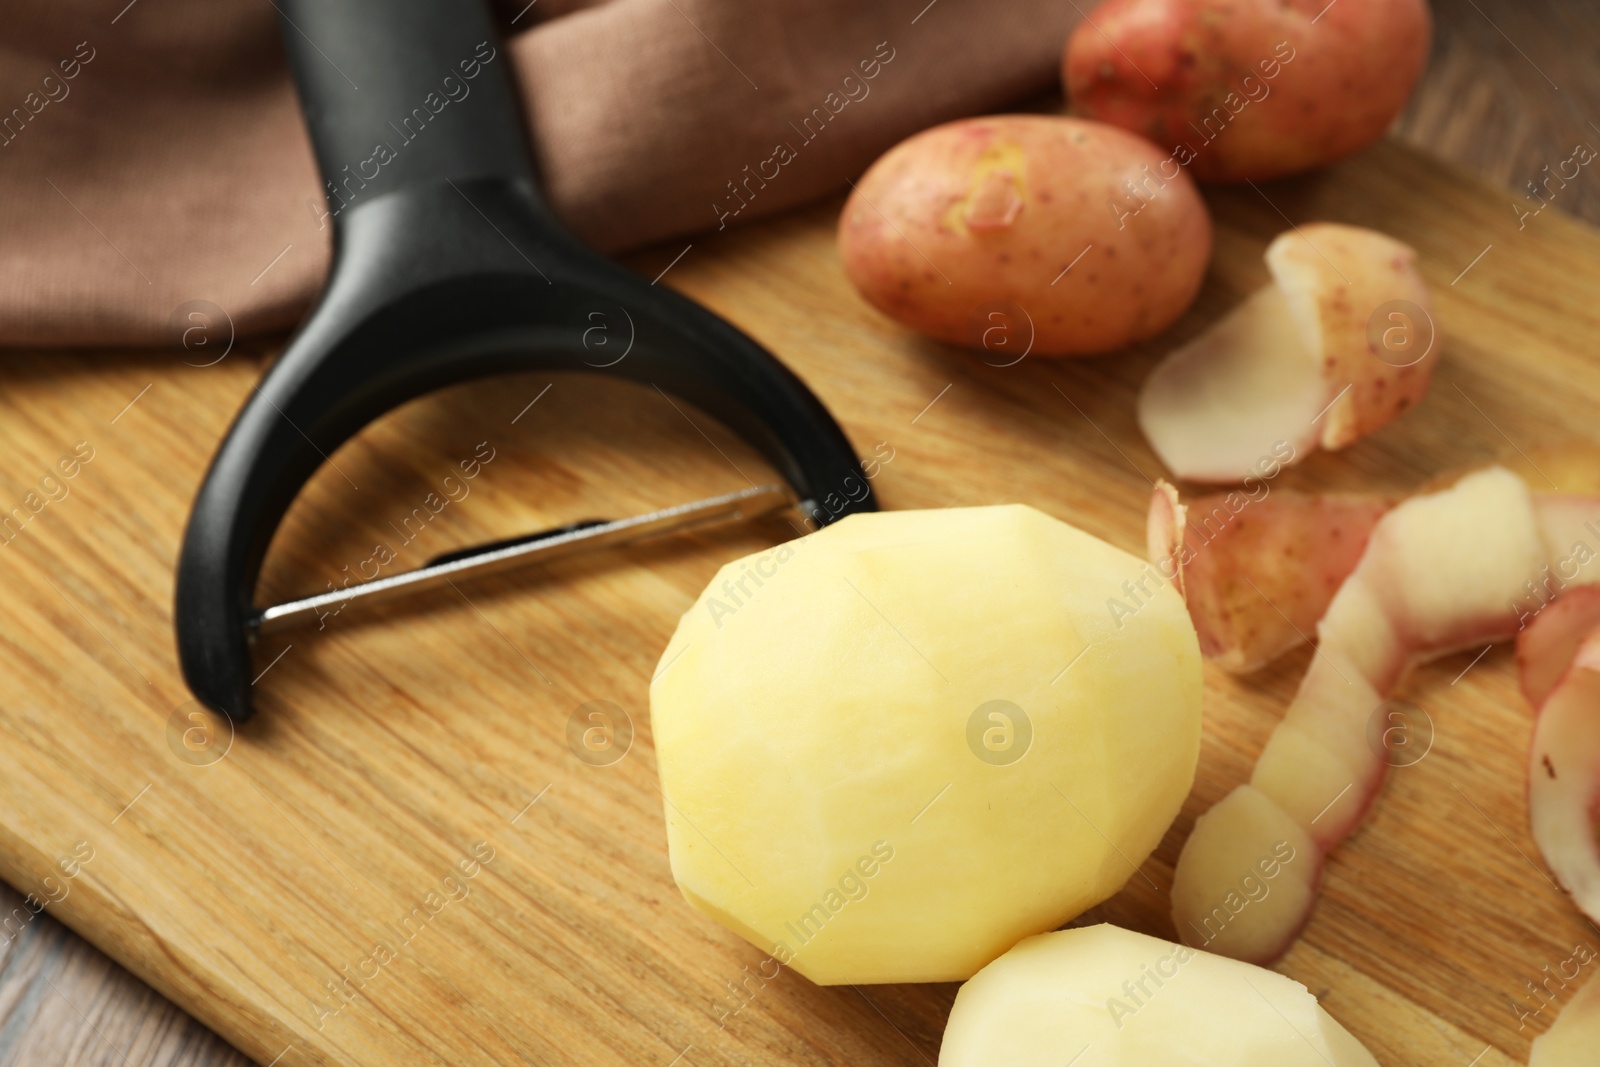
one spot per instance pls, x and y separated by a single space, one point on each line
1512 86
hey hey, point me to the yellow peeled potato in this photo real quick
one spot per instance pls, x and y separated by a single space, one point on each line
1104 995
893 748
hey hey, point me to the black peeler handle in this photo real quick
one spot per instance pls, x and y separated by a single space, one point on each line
448 266
403 93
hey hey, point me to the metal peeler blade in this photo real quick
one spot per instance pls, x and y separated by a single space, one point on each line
496 557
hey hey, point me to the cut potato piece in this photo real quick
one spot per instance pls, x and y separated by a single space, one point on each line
1341 343
1573 1038
1102 995
1259 571
1440 572
892 749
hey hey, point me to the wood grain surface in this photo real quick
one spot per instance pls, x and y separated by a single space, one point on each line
388 748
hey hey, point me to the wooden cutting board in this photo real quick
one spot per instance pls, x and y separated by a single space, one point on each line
249 878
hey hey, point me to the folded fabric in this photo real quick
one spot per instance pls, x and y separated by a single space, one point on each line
152 153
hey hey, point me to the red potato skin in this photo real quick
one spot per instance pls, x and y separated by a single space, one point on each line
1164 530
984 212
1262 574
1358 272
1564 825
1255 88
1546 646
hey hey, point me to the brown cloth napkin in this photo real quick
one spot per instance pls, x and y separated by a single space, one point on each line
152 152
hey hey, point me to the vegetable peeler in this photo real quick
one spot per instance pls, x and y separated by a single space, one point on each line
448 265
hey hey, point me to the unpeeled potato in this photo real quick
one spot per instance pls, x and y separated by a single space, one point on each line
1027 234
1249 89
893 748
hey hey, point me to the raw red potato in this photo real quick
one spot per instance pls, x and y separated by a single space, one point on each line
1441 572
1258 571
966 233
1572 1039
1249 89
1341 342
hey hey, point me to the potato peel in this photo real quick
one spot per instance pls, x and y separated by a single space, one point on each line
1341 343
1547 645
1164 538
1564 760
1258 574
1440 572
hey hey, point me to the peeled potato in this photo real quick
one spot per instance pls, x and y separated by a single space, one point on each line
1027 234
1133 999
893 748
